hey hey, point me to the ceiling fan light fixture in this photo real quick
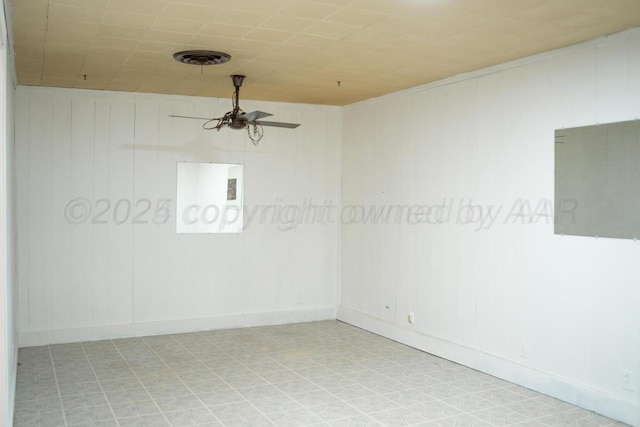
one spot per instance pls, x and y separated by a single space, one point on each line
201 57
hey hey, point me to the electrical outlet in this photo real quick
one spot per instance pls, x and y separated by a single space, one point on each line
410 317
524 350
627 380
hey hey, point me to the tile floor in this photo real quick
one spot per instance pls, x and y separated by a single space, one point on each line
319 373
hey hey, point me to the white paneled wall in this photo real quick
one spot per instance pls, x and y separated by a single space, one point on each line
98 252
557 314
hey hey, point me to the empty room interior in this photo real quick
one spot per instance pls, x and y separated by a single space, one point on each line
320 213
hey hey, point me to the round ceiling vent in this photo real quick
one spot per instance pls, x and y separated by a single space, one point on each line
201 57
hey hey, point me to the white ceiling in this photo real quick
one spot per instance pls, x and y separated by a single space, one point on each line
292 50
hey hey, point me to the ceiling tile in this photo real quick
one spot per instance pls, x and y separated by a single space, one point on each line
286 23
331 30
120 32
225 30
356 17
294 50
75 13
147 7
241 17
187 26
190 11
94 4
308 10
126 19
168 37
268 35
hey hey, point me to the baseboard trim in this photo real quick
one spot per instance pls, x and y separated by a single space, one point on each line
105 332
578 394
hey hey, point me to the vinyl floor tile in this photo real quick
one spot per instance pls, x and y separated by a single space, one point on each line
310 374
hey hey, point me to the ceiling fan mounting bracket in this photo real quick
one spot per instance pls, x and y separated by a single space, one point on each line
237 80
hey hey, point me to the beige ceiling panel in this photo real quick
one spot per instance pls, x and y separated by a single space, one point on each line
308 10
33 31
366 38
113 43
406 42
30 61
380 6
291 50
29 80
468 22
309 41
302 67
153 86
168 37
547 11
112 51
356 17
295 50
207 3
256 46
56 68
147 7
35 10
268 35
96 69
126 81
266 7
84 81
130 20
157 84
29 45
80 29
75 13
225 30
175 68
395 24
120 32
149 55
212 42
436 30
69 39
190 11
247 54
499 8
582 21
178 25
54 48
242 17
143 64
58 81
506 26
160 47
331 31
94 4
286 23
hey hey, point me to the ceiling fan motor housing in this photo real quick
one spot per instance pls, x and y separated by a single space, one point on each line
237 123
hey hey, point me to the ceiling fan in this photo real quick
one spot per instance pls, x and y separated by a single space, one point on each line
238 119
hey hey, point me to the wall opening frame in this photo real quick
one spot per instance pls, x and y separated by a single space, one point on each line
597 180
209 197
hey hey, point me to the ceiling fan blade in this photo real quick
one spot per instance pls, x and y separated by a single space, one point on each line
278 124
191 117
254 115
